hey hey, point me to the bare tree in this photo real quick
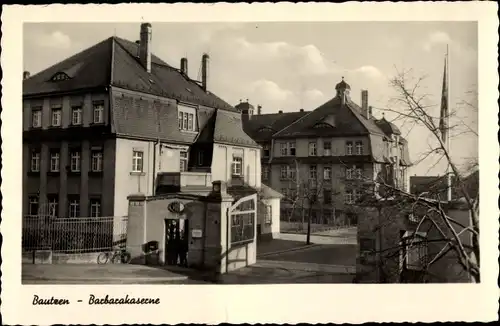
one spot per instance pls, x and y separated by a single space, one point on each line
429 211
305 193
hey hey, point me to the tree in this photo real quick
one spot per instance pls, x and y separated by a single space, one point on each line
304 193
429 210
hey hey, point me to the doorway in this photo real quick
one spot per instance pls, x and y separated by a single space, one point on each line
176 241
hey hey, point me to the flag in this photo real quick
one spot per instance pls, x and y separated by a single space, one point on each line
443 119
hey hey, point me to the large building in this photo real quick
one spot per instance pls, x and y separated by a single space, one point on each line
104 123
316 159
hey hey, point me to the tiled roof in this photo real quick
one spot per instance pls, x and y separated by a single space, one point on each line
438 185
262 127
228 129
87 69
114 62
348 121
387 127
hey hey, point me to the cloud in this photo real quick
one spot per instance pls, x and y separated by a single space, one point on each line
56 39
270 91
436 38
370 72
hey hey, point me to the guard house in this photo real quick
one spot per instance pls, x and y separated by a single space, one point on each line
116 131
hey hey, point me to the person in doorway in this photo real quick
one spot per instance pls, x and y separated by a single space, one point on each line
171 247
183 248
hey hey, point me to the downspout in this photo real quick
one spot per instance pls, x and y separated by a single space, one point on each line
153 190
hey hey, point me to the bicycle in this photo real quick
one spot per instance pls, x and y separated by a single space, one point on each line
111 256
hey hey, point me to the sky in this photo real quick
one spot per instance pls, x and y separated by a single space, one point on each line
288 66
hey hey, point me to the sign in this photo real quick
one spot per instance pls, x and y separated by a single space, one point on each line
196 233
176 207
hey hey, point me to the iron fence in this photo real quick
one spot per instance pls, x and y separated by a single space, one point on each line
73 235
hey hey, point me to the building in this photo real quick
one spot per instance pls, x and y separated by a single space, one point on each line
316 159
434 186
106 122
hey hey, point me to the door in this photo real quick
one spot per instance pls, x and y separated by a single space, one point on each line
176 241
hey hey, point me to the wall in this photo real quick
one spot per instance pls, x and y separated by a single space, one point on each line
128 182
384 228
85 100
83 185
223 159
338 145
272 229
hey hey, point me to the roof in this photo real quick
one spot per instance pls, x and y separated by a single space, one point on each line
387 127
348 121
262 127
438 185
267 192
115 62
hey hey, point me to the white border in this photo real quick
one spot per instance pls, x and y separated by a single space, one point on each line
263 303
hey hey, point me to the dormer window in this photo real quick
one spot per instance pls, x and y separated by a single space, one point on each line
266 129
186 118
59 76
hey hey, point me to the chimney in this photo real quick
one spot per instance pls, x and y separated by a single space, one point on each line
301 110
184 66
280 111
145 46
364 103
370 111
204 71
26 75
259 109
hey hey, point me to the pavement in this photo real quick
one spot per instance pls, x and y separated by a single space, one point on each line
330 258
98 274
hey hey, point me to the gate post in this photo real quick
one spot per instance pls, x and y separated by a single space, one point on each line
136 228
218 228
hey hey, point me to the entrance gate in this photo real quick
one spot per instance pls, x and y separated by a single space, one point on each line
176 241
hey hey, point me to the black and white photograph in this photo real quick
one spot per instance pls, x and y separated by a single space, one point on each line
217 153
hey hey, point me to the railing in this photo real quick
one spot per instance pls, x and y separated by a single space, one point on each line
73 235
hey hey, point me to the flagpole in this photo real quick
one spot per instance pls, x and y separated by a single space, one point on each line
448 172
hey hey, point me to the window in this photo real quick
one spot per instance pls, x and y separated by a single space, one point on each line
413 254
284 172
95 207
348 197
56 117
36 118
327 173
74 207
76 115
237 165
327 196
137 161
54 161
190 122
359 148
266 150
75 161
53 203
292 173
268 217
292 194
33 205
35 161
186 121
291 146
98 111
243 222
265 172
327 148
349 173
283 149
348 148
183 161
96 161
312 172
312 149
